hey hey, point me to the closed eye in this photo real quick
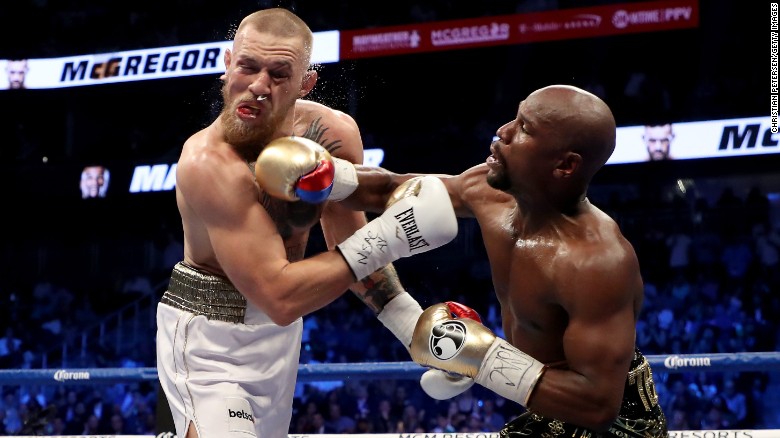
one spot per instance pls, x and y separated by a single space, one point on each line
279 74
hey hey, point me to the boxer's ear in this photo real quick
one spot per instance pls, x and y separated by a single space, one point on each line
568 166
309 79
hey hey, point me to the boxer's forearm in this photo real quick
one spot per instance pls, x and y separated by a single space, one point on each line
375 184
379 288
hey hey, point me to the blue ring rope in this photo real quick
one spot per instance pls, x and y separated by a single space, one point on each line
760 361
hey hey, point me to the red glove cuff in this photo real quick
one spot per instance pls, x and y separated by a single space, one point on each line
463 311
315 186
319 178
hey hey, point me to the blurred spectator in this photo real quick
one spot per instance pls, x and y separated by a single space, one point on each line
704 387
43 293
757 206
442 424
10 349
705 249
172 251
337 423
767 249
679 243
756 404
317 424
736 257
91 425
12 419
467 403
364 405
736 402
678 420
116 425
384 420
717 416
492 420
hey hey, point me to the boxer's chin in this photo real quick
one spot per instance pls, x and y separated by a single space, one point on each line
245 135
498 180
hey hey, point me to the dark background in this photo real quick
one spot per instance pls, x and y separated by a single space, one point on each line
433 112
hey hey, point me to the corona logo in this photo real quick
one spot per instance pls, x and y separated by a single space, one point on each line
64 375
674 362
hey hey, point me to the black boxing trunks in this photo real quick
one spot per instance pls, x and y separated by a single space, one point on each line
640 414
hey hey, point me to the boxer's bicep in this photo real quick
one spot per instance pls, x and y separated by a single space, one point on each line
599 339
249 249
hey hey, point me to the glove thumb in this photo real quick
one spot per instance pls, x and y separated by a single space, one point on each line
441 385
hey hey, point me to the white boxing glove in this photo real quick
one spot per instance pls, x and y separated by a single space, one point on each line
421 219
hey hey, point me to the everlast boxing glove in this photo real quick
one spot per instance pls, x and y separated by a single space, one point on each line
420 220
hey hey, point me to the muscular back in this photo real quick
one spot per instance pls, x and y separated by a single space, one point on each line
572 272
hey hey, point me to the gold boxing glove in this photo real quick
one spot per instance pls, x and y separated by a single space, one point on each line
454 345
296 168
464 346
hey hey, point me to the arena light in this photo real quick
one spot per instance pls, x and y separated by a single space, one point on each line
147 64
335 45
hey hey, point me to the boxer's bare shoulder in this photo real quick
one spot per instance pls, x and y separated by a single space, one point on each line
476 195
336 130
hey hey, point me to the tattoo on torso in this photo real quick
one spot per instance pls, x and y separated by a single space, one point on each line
294 219
316 131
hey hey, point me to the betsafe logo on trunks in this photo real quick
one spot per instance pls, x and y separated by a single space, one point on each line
240 414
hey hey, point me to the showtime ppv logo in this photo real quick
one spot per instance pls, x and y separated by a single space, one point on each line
622 18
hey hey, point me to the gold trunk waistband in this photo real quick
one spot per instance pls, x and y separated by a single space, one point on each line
642 378
204 294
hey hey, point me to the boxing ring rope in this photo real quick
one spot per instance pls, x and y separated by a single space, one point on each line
676 363
682 363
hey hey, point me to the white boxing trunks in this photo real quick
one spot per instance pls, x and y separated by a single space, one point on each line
225 367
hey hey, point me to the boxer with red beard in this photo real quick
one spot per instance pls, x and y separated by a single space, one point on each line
229 326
